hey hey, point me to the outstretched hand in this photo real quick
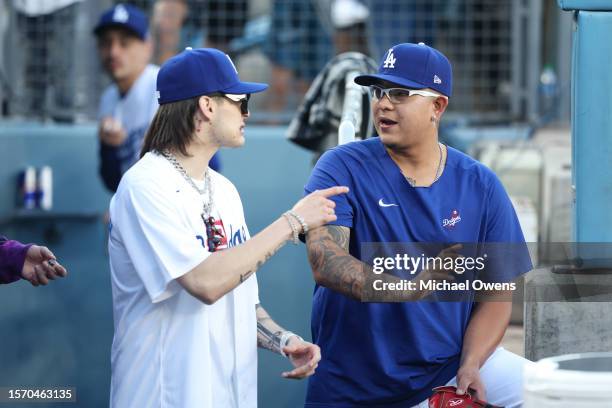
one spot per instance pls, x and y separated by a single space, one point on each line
40 266
317 209
304 356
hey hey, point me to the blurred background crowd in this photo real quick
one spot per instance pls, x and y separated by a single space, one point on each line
509 57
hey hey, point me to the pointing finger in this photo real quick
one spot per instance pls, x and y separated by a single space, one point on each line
332 191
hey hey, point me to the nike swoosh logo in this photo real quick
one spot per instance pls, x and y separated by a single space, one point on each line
382 204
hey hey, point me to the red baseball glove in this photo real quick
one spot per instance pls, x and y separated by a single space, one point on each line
446 397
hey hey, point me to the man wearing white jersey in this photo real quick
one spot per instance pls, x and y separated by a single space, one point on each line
185 296
128 104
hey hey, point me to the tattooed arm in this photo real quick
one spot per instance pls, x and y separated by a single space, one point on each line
268 332
303 355
222 271
331 263
333 267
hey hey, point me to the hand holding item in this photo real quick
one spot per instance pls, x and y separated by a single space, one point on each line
111 131
40 266
447 397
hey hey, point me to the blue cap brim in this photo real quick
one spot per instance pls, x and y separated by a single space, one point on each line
245 88
373 79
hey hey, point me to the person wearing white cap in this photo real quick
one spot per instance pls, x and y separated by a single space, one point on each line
185 295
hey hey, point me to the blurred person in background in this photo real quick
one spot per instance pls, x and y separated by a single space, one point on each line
42 48
298 47
404 21
177 24
129 103
224 20
167 29
34 263
349 19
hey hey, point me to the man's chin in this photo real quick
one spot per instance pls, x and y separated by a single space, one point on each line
388 140
238 142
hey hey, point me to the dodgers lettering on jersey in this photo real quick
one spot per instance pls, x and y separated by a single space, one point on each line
393 354
237 237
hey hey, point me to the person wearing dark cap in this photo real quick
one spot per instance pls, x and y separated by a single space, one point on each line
34 263
185 295
128 104
407 187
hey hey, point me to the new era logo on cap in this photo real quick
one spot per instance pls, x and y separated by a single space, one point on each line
415 66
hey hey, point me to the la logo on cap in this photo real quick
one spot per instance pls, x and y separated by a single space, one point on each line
390 60
121 15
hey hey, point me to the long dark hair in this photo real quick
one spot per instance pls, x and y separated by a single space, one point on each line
172 127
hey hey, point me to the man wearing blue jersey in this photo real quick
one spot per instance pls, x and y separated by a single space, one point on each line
405 186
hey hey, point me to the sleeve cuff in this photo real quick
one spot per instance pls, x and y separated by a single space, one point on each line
13 254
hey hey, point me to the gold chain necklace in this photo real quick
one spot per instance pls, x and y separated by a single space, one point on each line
412 181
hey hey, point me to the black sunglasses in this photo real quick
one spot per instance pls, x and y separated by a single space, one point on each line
244 102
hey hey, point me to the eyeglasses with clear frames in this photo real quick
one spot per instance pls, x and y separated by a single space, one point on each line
399 95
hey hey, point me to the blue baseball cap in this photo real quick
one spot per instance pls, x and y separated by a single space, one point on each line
415 66
200 71
124 16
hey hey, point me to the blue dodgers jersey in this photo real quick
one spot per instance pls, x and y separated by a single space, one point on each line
393 354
